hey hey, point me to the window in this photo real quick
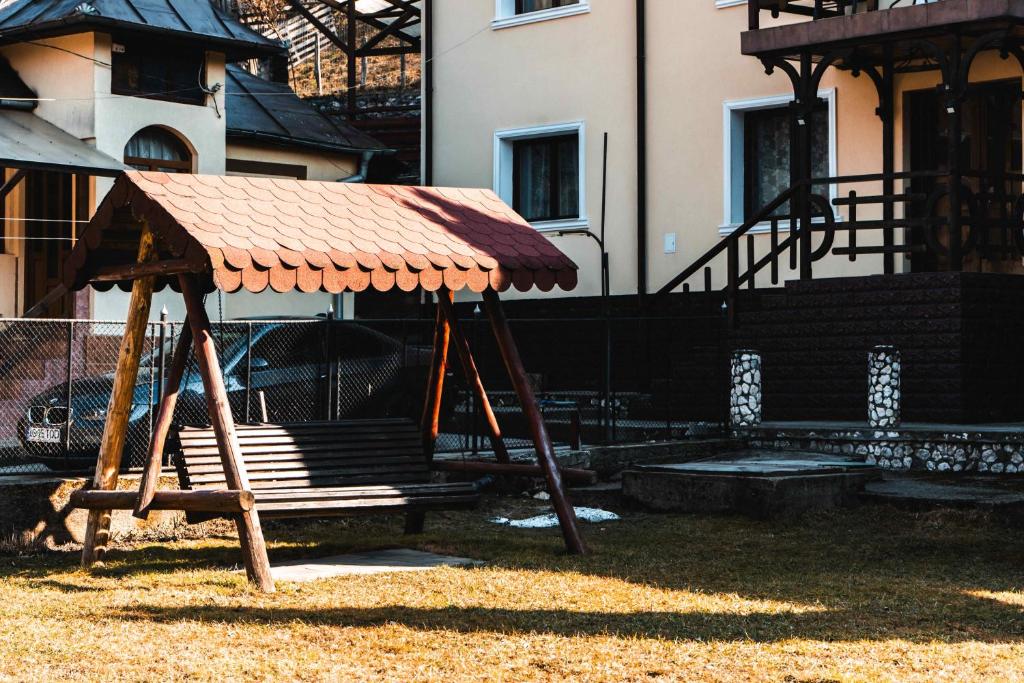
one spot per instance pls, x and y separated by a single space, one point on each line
516 12
158 71
157 149
540 172
545 178
757 153
524 6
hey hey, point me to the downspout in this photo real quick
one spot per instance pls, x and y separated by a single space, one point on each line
364 169
641 148
428 92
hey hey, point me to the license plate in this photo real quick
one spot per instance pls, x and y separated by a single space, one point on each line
43 435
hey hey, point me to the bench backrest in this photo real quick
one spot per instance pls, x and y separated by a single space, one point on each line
309 455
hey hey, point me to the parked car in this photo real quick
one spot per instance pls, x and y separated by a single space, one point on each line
288 375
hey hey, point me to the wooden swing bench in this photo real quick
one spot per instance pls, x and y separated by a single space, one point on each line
325 469
201 233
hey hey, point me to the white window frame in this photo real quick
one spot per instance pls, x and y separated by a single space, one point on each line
720 4
505 13
503 171
732 154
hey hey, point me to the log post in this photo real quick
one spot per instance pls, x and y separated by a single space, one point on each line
444 302
154 463
108 464
250 535
429 424
541 440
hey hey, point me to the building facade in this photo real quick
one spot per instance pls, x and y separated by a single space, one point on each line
700 139
151 86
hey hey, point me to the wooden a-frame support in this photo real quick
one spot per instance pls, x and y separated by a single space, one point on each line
447 327
238 500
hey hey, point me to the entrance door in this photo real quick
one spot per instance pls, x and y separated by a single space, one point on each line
48 210
990 145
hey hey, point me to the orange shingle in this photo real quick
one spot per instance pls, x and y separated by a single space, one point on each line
255 233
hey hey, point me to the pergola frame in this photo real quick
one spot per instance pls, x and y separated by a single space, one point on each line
194 276
393 21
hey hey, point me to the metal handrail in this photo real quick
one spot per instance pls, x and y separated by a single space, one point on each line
824 210
761 216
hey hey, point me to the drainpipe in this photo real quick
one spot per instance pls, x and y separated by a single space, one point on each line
641 148
428 92
364 170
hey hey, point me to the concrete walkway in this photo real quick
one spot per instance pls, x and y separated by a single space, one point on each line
374 562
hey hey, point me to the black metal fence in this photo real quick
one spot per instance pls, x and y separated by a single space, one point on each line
598 380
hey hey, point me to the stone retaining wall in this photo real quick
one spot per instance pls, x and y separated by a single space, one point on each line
907 449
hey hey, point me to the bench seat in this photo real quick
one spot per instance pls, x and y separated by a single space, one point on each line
322 469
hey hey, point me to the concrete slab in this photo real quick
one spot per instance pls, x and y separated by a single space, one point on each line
920 493
373 562
757 484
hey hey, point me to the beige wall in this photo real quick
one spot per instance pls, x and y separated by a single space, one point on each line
71 76
496 79
319 165
582 67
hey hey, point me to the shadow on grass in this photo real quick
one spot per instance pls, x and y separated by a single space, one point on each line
831 626
869 574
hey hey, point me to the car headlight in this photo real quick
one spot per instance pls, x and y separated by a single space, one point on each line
93 414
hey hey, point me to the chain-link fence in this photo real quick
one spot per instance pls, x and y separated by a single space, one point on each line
598 380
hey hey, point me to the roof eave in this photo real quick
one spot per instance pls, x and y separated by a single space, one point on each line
233 48
285 141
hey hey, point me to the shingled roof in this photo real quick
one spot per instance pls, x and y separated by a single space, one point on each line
264 111
184 19
255 233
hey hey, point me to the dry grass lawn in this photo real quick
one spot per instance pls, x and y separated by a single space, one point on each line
870 594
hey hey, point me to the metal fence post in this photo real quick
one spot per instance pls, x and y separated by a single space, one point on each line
248 376
162 356
67 392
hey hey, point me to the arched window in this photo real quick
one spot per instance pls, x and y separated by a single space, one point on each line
157 149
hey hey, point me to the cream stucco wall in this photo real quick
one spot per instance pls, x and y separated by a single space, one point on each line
582 67
570 69
72 76
319 165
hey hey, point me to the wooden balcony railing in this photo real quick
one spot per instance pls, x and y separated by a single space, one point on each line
822 9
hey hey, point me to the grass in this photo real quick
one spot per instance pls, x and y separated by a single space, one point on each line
868 594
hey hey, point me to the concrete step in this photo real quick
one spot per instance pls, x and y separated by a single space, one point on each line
759 484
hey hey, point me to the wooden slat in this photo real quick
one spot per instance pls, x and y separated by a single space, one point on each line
374 490
189 501
312 439
288 466
365 506
285 455
199 438
352 493
307 472
337 482
305 448
332 427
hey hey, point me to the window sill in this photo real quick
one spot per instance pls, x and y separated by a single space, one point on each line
765 227
555 226
542 15
720 4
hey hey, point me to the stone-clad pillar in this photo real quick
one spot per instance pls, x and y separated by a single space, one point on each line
746 395
884 368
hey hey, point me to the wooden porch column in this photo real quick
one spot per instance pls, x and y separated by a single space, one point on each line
250 535
429 424
154 463
444 302
108 464
541 440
